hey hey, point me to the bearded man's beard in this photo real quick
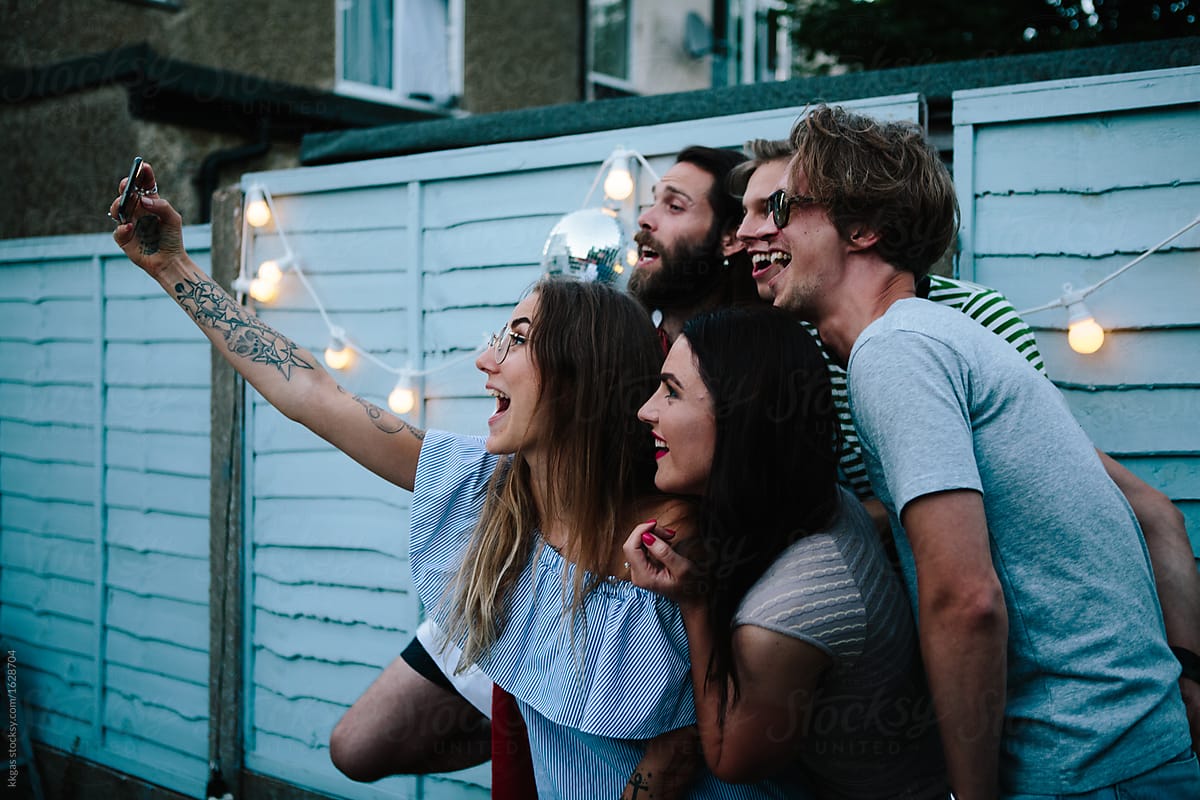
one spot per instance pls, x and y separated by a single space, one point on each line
686 275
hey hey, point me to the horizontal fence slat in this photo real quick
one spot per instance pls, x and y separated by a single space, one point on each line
1159 291
338 604
309 638
47 517
135 648
1140 421
51 557
1128 221
158 575
307 522
1058 154
298 566
46 362
161 619
66 443
330 255
1127 358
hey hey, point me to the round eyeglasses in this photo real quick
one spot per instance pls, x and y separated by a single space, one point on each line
779 204
502 342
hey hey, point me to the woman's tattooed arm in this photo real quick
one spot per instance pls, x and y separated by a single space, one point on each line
244 334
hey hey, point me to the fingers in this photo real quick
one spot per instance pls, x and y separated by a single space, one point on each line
146 187
658 548
149 229
146 182
653 563
123 235
633 545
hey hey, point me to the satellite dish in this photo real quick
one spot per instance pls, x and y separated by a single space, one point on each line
697 36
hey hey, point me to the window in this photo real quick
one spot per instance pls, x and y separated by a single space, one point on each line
759 42
609 36
407 52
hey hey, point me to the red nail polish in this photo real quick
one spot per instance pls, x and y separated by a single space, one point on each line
648 538
667 533
650 522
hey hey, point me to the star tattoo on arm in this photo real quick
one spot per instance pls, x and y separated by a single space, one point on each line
244 334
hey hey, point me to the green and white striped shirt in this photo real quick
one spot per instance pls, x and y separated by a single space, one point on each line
984 305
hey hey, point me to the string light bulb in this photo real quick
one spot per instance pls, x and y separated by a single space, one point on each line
618 184
265 287
402 398
270 271
258 213
337 355
1084 334
264 291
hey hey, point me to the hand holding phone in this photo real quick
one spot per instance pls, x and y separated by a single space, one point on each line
129 195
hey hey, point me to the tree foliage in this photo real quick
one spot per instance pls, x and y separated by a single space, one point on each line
877 34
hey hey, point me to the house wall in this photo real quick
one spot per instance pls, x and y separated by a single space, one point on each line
261 38
104 484
521 55
1065 182
660 62
76 149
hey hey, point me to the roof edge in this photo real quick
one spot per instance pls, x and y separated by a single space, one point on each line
935 81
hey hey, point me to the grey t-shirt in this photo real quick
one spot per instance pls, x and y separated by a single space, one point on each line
871 732
940 404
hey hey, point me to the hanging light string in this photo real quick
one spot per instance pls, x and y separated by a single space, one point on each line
1084 334
245 284
1071 297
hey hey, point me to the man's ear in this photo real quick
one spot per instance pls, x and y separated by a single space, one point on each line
731 244
862 238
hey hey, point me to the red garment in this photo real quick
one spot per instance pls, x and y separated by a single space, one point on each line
512 764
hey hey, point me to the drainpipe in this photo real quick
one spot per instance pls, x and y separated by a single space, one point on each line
720 44
210 171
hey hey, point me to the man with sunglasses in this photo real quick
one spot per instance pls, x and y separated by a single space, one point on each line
1048 653
761 184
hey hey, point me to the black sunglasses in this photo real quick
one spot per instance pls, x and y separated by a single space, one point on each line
779 204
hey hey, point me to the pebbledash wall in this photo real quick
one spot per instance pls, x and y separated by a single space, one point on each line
104 581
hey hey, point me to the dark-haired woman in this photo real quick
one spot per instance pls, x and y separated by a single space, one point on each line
804 656
516 538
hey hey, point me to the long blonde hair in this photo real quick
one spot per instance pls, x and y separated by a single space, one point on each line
598 358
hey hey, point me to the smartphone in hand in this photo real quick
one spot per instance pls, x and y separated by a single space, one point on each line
129 196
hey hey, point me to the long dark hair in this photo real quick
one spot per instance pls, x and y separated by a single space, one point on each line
774 473
598 358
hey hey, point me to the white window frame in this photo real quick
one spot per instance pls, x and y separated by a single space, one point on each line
603 78
398 96
753 67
